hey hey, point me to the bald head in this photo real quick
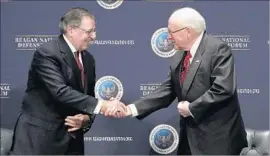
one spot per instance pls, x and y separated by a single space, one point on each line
188 17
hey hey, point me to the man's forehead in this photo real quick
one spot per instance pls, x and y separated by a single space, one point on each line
173 23
88 22
87 19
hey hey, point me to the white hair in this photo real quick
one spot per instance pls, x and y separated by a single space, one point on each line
189 17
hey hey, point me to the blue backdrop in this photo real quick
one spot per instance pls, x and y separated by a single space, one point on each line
123 49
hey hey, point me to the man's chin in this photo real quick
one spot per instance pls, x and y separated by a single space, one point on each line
86 46
176 48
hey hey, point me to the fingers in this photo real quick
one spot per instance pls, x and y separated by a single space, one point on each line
74 122
109 106
79 115
180 104
120 109
76 117
181 108
113 107
183 113
123 106
122 112
72 129
118 115
70 122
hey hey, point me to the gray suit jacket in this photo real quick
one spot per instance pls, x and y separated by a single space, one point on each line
210 87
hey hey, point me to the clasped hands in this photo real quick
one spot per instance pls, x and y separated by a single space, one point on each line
113 108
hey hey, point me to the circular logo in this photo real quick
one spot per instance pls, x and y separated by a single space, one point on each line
164 139
110 4
108 87
161 45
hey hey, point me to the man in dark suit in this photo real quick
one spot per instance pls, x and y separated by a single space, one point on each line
202 78
60 88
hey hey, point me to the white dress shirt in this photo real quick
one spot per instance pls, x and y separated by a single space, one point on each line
73 49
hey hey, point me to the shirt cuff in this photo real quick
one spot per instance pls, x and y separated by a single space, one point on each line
134 111
98 107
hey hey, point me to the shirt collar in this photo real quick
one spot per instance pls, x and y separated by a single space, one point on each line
196 44
72 48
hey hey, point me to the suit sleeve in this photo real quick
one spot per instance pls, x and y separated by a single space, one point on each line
91 91
47 69
160 98
223 83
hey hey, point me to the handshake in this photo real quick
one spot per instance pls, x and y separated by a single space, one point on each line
111 108
114 108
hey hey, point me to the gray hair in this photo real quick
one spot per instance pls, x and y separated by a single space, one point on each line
190 18
73 18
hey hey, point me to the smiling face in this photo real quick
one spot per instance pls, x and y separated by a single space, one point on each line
82 35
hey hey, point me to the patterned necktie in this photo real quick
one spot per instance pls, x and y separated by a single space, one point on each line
77 54
185 68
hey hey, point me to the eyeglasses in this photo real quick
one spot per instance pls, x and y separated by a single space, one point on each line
170 32
88 32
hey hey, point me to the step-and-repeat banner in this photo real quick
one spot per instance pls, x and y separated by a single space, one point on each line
132 53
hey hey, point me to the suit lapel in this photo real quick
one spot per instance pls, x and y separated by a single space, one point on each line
86 70
68 57
176 60
193 67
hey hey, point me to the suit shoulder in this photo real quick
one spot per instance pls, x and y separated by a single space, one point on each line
214 43
49 47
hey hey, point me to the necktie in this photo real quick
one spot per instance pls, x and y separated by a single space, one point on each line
185 68
77 54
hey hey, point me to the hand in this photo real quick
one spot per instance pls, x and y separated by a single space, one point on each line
183 108
123 113
113 108
76 122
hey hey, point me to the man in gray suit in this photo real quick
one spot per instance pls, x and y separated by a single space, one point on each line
202 78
